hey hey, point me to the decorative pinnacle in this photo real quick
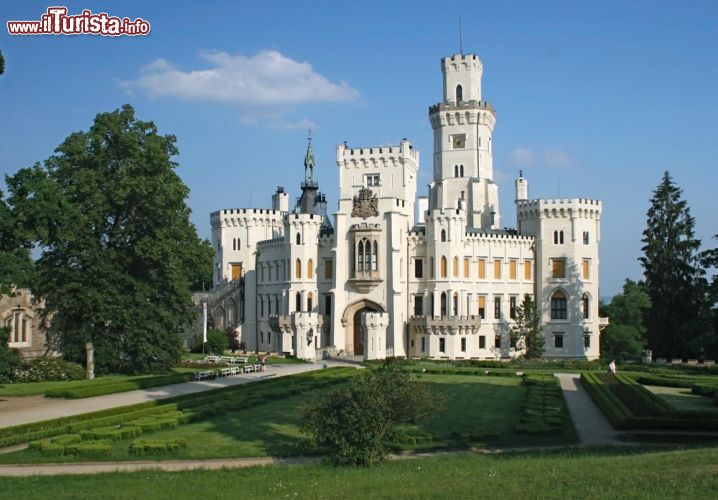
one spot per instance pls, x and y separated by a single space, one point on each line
309 162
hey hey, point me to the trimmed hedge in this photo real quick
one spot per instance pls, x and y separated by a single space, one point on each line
543 410
156 446
88 391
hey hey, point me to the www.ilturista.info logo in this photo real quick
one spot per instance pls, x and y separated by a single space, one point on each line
56 22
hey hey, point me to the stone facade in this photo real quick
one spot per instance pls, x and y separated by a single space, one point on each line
21 314
394 274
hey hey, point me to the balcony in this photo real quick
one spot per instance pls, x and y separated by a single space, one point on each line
445 325
365 281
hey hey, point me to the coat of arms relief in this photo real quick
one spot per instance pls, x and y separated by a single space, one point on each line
366 204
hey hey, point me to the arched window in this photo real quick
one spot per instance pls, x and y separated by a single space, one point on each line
367 255
586 302
310 269
234 243
18 324
298 302
444 299
360 256
298 269
239 244
462 195
559 309
555 237
456 170
459 94
443 267
455 268
299 239
310 302
461 170
456 304
443 235
560 237
375 256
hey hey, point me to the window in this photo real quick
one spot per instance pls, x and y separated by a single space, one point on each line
234 244
463 344
299 239
456 304
497 307
328 305
418 268
482 306
375 257
444 300
19 325
423 344
261 307
459 94
298 302
276 304
373 180
497 269
559 305
458 141
443 235
432 267
482 341
558 268
512 269
310 269
585 268
456 267
443 267
298 269
456 170
482 269
558 237
261 337
586 341
466 267
328 269
418 305
497 341
558 340
269 337
586 303
585 238
528 272
442 344
310 302
512 307
555 237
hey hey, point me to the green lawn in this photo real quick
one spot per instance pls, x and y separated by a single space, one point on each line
39 388
574 474
681 398
479 410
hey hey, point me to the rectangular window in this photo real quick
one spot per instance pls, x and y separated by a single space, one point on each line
418 305
497 341
328 269
586 268
466 267
482 306
497 269
269 337
463 344
418 268
558 340
585 237
497 307
528 272
458 141
482 341
442 345
482 269
423 344
512 307
558 268
586 341
328 305
512 269
373 180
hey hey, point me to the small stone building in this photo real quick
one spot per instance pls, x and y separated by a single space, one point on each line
21 314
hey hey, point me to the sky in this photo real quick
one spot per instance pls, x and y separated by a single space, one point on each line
594 99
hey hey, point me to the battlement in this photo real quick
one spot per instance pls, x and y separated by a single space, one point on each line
274 242
377 153
244 216
567 207
461 62
303 218
462 106
499 237
449 213
365 226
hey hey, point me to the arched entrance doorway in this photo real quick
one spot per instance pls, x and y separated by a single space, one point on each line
351 320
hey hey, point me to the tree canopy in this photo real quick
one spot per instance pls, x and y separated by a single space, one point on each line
16 266
118 249
527 333
677 319
623 338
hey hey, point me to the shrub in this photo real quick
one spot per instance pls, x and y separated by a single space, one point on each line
217 342
49 369
10 360
114 433
115 387
97 448
154 446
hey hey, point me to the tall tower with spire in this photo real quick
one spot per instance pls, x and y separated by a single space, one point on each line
311 200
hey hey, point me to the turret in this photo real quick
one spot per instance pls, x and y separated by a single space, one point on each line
522 187
280 200
462 78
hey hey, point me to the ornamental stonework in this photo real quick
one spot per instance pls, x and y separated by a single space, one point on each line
366 204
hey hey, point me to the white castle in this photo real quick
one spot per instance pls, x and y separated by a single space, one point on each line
397 275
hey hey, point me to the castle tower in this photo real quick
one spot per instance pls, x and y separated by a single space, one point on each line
463 125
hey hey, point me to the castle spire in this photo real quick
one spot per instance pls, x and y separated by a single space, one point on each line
309 163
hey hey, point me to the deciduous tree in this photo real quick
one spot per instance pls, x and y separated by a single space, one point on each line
623 338
527 333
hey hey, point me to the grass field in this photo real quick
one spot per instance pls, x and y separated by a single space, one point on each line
681 398
39 388
586 475
485 408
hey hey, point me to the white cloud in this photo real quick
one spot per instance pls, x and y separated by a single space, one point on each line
303 124
557 158
265 79
523 157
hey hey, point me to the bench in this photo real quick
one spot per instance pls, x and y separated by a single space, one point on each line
207 374
224 372
234 370
212 359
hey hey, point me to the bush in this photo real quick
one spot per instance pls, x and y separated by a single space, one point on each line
217 342
49 369
114 433
10 360
115 387
357 424
543 410
155 446
98 448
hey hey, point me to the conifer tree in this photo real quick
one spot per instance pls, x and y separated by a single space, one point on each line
527 332
676 321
